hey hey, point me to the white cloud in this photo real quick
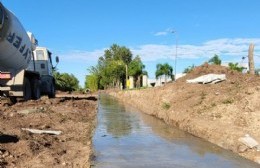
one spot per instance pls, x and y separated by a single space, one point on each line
226 47
153 52
162 33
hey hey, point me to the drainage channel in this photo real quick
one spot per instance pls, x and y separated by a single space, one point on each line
127 138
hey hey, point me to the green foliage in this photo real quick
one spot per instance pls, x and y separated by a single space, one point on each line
91 82
164 69
135 69
113 73
228 101
235 67
118 53
66 82
257 72
215 60
189 69
110 72
145 73
166 106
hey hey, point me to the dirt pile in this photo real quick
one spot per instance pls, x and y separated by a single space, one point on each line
220 113
74 117
232 76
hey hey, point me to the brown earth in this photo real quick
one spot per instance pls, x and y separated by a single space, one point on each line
220 113
75 117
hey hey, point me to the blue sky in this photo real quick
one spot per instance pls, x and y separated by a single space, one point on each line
80 30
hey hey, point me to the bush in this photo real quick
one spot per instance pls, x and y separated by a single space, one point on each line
166 106
66 82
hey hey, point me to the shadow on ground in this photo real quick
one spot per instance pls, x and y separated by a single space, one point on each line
8 139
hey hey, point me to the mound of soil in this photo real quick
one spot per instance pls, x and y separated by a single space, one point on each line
232 76
220 113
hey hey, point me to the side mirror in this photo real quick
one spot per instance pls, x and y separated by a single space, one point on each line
57 59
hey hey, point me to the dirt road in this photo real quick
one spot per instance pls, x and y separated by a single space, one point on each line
74 117
220 113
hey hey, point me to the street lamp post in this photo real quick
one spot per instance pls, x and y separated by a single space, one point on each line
176 52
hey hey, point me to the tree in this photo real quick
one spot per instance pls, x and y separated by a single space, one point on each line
57 77
66 82
189 69
164 69
215 60
118 53
235 67
158 72
136 69
91 82
110 72
115 71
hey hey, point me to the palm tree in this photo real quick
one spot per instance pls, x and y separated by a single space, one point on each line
158 72
163 69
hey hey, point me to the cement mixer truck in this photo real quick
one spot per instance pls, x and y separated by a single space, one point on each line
25 69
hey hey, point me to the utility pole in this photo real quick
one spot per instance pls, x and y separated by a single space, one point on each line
126 77
251 63
176 52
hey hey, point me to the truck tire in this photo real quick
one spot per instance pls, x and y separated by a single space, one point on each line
36 90
12 100
27 93
51 94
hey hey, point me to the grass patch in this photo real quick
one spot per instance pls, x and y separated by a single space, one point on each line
166 106
228 101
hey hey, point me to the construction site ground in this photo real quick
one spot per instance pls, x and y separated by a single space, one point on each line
220 113
73 115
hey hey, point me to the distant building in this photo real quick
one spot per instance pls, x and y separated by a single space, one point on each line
131 79
144 81
160 81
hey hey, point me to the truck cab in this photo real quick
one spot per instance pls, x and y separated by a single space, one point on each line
42 61
42 64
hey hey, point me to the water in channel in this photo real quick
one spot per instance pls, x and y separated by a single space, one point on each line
126 138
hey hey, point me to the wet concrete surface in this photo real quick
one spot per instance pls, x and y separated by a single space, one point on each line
127 138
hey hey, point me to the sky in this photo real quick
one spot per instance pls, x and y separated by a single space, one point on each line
79 31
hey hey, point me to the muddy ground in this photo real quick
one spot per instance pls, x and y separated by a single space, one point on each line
220 113
74 117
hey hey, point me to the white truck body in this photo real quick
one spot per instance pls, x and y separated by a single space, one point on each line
25 70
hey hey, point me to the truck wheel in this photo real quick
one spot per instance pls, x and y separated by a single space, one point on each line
12 100
27 94
51 94
36 90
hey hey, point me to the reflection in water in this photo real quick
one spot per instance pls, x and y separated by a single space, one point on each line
126 138
118 122
179 137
